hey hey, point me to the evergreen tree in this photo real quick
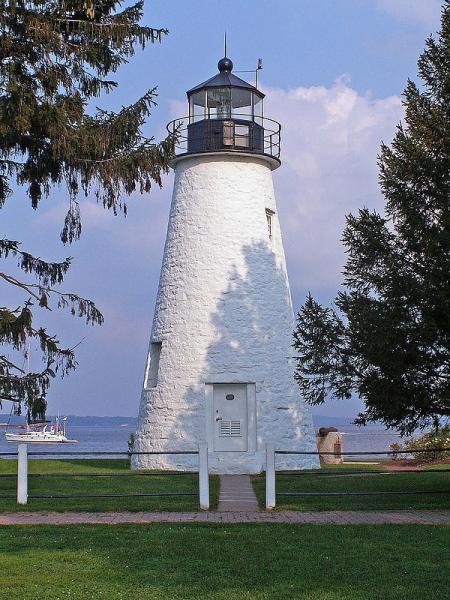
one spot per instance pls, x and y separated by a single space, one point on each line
388 340
56 55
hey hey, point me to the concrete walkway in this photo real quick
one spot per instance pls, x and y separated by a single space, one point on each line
407 517
236 494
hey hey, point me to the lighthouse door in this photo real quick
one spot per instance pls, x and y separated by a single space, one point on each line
230 417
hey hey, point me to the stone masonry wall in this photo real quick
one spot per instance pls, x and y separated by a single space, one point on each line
223 314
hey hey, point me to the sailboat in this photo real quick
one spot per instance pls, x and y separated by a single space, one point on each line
45 435
53 434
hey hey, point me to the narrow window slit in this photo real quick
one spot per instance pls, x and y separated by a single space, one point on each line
153 366
269 216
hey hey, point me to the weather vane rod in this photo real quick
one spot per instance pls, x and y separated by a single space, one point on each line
225 43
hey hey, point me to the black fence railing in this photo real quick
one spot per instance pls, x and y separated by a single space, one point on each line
364 452
272 474
22 476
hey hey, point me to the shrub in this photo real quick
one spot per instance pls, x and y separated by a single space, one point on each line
427 448
395 448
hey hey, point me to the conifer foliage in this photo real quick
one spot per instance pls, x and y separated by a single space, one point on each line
55 56
388 339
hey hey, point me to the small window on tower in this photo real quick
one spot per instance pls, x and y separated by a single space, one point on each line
153 364
269 215
241 136
228 133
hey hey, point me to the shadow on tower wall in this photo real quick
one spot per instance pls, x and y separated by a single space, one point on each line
247 339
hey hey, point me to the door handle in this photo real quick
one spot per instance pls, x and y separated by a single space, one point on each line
219 418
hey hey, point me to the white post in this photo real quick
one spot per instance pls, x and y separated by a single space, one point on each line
270 477
203 476
22 474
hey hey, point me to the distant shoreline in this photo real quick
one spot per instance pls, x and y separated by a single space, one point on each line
129 421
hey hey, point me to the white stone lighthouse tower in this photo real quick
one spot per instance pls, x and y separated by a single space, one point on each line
219 365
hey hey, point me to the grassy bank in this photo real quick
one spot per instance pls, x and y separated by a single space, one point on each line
225 562
65 484
370 482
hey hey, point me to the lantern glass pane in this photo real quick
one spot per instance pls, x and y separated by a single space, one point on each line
241 98
219 103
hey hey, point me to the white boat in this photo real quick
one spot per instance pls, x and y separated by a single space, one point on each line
54 435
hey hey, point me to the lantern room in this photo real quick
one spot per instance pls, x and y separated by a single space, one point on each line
226 114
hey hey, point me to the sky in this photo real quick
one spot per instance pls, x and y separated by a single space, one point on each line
333 74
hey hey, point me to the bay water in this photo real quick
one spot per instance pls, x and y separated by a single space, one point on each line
114 437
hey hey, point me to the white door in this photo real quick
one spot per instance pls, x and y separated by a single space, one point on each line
230 417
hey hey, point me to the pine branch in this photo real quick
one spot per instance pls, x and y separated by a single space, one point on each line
5 362
46 272
17 283
55 57
65 299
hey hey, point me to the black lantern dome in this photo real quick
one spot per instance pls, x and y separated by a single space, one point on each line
226 114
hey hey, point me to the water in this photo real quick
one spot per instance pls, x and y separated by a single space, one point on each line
115 438
90 439
369 439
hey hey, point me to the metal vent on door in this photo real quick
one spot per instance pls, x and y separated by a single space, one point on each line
230 428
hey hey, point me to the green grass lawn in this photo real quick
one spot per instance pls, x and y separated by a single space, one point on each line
225 562
103 485
371 482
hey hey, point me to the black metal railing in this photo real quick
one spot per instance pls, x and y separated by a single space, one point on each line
262 136
272 474
203 490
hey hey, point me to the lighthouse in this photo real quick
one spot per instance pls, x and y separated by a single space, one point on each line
219 366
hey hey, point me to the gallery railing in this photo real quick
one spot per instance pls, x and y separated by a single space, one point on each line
240 133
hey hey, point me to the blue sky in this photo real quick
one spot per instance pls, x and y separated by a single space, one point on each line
333 73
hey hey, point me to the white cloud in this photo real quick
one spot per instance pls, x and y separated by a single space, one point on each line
330 141
425 12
